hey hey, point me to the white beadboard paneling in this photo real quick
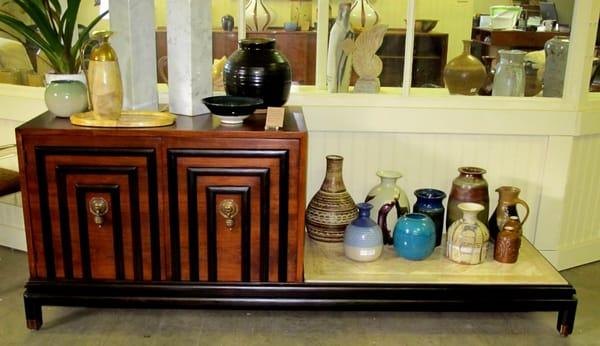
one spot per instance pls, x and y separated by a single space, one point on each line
581 221
431 160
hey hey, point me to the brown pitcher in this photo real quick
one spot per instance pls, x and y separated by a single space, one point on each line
507 207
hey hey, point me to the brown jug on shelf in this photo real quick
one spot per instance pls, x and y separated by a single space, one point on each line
332 208
469 186
507 207
508 243
464 74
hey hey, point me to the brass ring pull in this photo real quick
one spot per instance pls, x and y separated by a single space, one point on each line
228 209
98 207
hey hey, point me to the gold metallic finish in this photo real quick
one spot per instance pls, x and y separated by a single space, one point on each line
126 119
98 207
228 209
104 52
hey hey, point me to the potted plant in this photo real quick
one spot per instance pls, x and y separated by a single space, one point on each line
53 31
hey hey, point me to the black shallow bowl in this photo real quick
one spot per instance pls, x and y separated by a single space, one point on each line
232 105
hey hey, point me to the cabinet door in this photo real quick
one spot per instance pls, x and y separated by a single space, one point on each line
94 211
233 212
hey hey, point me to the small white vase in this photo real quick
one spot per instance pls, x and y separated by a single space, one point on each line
468 237
258 16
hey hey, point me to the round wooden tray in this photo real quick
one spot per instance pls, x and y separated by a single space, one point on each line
127 119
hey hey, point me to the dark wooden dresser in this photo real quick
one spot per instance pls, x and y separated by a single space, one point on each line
114 212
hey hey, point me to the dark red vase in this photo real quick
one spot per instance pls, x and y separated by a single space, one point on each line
469 186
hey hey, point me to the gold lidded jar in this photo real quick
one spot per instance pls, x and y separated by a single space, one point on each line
332 208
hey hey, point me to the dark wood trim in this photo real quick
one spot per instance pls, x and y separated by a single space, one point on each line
211 228
173 187
41 152
305 296
115 209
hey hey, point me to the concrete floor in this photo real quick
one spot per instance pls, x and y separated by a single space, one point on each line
83 326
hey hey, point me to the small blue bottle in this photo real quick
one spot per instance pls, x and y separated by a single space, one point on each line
363 239
414 236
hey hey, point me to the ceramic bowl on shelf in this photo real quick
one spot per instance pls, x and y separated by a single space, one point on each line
232 109
425 25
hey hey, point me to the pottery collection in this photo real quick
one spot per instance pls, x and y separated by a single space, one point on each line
508 198
557 50
509 79
332 208
363 241
389 203
429 202
257 69
414 236
469 186
385 219
468 237
465 74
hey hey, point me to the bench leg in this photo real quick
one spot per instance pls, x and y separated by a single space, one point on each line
566 320
33 313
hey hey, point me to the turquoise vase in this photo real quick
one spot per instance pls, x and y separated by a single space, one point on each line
66 97
363 239
414 236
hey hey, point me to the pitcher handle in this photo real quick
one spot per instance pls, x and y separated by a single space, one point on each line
382 222
524 204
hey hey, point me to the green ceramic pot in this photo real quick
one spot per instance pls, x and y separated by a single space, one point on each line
66 97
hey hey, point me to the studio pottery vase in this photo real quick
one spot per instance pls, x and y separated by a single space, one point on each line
66 97
429 202
414 236
510 74
464 74
332 208
363 241
258 16
363 15
468 237
257 69
389 203
557 50
469 186
508 198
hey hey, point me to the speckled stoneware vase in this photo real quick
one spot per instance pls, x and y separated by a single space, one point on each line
332 208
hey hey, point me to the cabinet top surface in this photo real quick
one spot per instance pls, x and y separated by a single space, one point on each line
207 125
326 263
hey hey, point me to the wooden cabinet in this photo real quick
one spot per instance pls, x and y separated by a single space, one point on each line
194 202
489 42
429 59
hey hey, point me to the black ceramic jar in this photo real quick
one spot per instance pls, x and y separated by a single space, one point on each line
257 69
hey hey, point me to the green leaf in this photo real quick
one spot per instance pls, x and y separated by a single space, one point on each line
84 34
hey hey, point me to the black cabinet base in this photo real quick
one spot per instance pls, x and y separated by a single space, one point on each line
407 297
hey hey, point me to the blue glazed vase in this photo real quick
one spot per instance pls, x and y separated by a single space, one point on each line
363 239
429 202
414 236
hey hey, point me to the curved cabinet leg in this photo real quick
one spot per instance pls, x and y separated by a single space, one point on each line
33 313
566 319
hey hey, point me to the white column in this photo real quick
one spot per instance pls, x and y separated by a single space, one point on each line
134 40
189 43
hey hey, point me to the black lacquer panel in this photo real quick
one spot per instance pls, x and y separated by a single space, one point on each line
42 153
192 172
